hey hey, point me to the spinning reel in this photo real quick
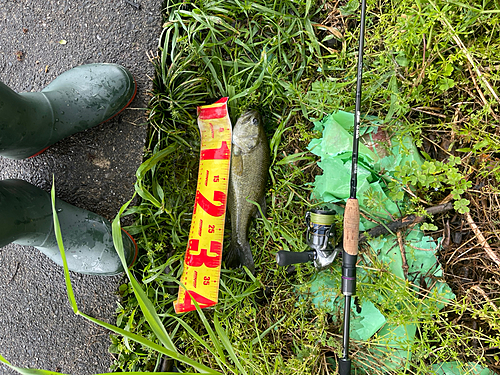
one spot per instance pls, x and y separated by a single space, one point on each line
320 236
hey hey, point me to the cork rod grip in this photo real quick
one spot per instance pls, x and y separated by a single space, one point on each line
351 226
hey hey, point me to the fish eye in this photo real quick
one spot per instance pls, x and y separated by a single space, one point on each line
255 121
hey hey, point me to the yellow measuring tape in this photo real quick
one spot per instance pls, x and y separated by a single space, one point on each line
202 263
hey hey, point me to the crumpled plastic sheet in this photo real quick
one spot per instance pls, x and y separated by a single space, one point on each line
325 289
335 150
377 161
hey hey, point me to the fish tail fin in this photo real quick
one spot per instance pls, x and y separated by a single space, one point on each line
231 256
246 257
240 254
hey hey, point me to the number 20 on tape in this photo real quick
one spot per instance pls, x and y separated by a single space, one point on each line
202 264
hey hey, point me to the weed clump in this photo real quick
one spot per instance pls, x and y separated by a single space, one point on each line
431 71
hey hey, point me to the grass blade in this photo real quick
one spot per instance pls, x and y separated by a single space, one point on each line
150 344
209 329
147 166
147 307
197 337
57 230
28 371
227 345
261 336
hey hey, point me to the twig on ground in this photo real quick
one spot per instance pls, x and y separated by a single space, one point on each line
408 190
483 99
447 199
477 288
494 67
482 241
402 223
424 64
325 364
403 255
421 109
446 234
438 146
459 257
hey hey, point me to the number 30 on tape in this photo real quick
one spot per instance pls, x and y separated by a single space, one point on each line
202 263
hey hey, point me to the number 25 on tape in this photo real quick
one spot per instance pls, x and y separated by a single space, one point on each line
202 264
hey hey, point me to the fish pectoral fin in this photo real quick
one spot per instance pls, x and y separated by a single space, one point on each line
237 164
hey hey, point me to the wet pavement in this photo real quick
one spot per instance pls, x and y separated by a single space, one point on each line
94 170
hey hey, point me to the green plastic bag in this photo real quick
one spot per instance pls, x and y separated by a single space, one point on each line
376 163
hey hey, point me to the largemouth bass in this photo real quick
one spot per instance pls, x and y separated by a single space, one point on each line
247 181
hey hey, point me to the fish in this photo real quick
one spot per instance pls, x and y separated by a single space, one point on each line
250 160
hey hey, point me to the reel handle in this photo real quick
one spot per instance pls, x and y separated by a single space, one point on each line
286 258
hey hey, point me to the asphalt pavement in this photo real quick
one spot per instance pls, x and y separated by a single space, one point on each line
94 170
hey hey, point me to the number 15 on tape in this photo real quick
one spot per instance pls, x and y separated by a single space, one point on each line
202 263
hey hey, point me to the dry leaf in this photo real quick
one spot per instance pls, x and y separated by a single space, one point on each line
333 30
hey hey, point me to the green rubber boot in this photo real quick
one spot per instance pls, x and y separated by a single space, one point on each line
78 99
26 219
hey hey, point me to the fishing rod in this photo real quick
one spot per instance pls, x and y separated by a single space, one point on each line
351 215
320 225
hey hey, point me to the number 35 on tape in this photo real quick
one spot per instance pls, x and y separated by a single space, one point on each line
202 263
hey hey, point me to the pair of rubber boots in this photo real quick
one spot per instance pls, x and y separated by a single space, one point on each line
78 99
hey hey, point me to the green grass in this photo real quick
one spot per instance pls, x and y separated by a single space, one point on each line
431 71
